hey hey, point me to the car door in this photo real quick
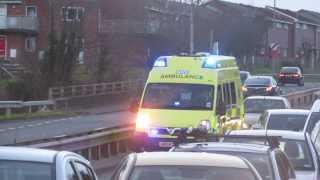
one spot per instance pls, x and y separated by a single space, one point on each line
284 167
314 154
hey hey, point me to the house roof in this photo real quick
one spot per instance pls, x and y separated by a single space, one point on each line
311 15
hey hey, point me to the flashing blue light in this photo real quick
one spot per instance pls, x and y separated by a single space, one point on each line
210 63
160 62
177 103
154 132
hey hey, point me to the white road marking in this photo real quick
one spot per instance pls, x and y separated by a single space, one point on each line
20 127
11 129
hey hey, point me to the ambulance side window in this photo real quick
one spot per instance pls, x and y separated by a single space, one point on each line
233 93
219 95
226 93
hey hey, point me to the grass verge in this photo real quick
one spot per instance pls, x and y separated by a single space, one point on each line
37 115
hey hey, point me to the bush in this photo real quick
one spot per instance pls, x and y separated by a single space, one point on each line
19 90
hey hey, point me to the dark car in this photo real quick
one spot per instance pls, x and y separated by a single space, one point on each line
290 75
261 86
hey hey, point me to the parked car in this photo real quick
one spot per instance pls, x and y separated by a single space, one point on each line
314 117
183 165
284 119
244 75
34 164
297 145
265 159
291 75
261 86
254 106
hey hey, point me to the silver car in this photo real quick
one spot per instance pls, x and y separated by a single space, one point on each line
314 117
35 164
254 106
184 165
297 145
284 119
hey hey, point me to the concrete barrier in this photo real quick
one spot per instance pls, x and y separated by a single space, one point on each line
303 98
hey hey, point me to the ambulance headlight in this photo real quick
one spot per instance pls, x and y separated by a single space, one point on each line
160 62
142 122
205 125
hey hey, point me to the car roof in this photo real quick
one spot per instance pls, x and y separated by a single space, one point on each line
226 146
262 77
290 67
289 111
291 135
189 159
316 106
267 97
27 154
245 72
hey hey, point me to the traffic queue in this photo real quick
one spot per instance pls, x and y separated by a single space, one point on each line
194 123
193 107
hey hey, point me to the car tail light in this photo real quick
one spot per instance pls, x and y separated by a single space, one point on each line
296 75
281 75
269 88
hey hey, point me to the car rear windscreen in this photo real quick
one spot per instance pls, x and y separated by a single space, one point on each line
290 70
292 122
21 170
258 81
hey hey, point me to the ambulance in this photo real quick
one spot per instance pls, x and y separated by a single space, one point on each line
195 92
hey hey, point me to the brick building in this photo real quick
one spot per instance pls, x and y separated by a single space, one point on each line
23 29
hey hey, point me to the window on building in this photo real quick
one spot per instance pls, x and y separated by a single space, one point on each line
284 52
30 44
3 10
72 13
31 11
298 26
279 25
304 27
285 26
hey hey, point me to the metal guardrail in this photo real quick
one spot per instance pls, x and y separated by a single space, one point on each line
9 106
94 145
87 90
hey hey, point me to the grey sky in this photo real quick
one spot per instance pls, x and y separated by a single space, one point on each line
313 5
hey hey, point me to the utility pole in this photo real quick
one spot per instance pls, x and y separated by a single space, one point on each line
192 28
273 25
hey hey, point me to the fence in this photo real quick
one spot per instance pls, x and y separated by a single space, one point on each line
87 90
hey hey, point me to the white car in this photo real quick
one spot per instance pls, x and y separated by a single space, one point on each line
184 165
283 119
297 145
34 164
254 106
314 117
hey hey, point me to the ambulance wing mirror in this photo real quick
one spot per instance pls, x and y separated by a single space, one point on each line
221 109
134 106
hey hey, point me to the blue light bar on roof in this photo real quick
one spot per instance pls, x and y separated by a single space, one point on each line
160 62
211 63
